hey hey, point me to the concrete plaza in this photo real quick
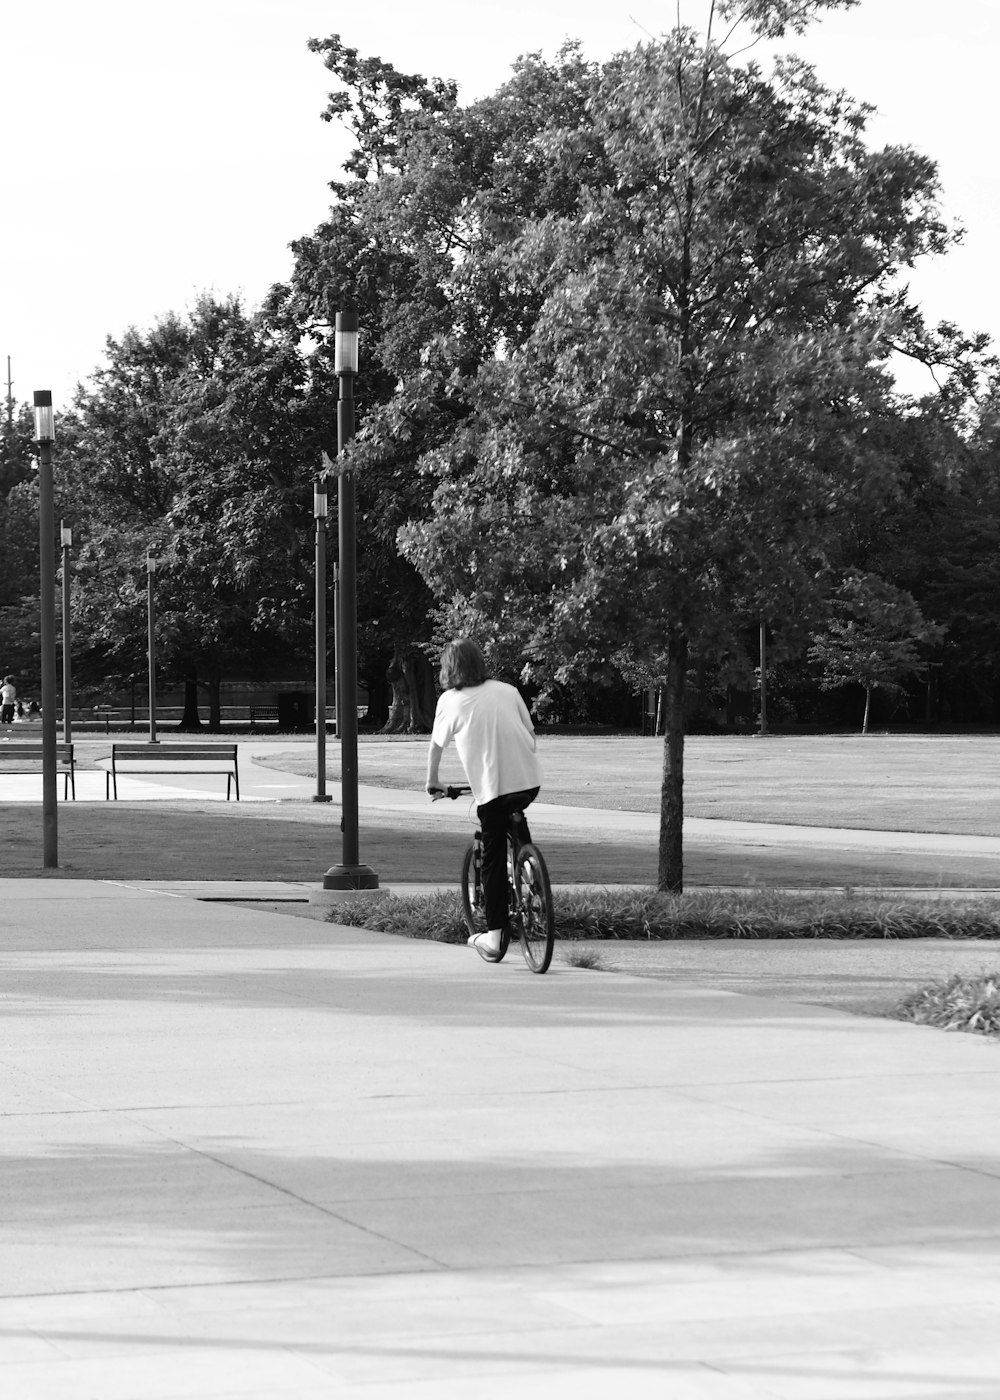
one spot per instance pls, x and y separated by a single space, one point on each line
251 1155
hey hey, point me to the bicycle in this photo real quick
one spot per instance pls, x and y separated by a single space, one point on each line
530 909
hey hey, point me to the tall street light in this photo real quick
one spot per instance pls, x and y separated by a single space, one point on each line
350 874
319 514
151 642
45 436
338 708
66 535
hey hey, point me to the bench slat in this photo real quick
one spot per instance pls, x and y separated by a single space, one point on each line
167 751
17 750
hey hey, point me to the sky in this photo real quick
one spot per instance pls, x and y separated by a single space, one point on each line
153 152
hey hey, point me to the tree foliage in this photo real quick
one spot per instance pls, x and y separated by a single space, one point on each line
872 639
198 442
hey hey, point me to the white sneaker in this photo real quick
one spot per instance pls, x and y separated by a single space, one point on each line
487 944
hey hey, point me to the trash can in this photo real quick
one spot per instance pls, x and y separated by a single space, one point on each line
295 710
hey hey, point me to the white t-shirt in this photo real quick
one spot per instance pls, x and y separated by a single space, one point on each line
494 737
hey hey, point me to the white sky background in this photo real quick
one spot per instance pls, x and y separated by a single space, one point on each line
156 151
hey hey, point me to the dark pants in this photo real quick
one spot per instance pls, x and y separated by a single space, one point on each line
7 714
493 821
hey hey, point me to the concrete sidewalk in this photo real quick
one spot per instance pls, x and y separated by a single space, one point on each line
249 1155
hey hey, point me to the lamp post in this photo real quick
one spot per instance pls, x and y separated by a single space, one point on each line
66 535
45 436
319 514
337 703
350 874
151 642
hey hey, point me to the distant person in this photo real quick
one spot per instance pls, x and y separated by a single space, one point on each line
495 739
8 701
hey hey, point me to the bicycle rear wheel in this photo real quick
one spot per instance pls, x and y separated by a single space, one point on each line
473 909
536 917
472 913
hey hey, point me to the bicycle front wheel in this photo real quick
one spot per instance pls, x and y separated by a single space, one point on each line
536 921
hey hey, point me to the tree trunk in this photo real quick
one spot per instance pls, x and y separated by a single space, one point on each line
670 876
190 719
412 679
423 701
868 708
399 710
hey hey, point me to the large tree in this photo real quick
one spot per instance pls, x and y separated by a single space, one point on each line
660 443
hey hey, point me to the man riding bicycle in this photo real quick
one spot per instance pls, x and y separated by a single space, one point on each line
495 740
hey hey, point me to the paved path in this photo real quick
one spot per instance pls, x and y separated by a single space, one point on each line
249 1155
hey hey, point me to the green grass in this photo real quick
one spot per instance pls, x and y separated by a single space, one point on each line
647 914
956 1004
887 782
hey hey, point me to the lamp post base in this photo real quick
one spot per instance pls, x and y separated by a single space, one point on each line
350 877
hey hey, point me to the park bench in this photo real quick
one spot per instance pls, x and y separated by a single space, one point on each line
259 713
158 758
19 751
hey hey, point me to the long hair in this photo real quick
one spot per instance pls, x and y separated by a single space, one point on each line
462 664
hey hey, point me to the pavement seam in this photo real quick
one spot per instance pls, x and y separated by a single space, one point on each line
281 1190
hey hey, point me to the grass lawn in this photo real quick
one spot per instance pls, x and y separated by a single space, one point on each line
939 784
876 782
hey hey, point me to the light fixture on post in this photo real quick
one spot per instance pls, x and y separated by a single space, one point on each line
45 437
151 642
319 515
66 536
350 874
